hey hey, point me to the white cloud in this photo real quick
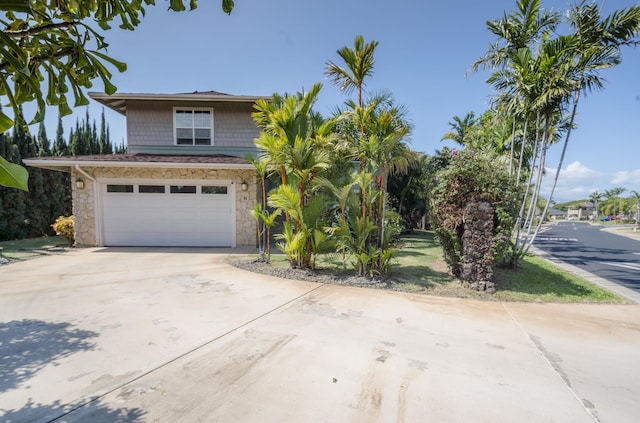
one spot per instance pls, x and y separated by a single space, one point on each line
626 177
575 182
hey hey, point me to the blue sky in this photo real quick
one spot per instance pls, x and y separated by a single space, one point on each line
425 50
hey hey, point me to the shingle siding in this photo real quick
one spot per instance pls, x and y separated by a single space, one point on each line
151 124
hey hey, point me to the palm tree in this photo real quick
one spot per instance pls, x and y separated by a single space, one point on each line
516 31
292 143
595 197
390 154
284 120
614 192
359 65
597 44
462 130
555 82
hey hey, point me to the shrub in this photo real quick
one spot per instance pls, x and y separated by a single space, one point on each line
65 227
472 176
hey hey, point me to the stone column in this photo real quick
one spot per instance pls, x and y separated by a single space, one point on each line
477 247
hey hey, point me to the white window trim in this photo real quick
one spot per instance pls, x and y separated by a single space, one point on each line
175 126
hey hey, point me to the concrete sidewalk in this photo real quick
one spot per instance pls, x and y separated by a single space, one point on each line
177 335
633 233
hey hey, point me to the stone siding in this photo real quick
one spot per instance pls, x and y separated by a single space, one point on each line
84 203
83 207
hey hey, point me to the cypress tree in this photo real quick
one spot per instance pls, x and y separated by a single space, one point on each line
43 141
104 142
95 142
60 147
75 149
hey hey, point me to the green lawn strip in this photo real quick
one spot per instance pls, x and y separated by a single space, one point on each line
419 267
539 280
25 249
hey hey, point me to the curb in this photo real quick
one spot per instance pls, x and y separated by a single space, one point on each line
627 293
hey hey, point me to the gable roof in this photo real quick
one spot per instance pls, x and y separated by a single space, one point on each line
118 101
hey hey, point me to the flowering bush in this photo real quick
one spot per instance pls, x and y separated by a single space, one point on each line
472 176
64 226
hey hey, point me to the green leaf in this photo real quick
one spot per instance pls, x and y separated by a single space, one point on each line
121 66
5 122
176 5
227 6
63 106
21 6
13 175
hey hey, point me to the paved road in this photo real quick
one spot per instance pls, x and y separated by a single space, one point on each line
612 257
178 335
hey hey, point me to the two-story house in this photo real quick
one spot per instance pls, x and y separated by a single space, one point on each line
184 182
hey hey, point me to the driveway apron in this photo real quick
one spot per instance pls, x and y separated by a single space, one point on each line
176 335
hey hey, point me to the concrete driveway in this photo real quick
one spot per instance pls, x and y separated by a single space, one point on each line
178 335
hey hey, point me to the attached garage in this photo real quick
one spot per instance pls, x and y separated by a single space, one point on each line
143 200
177 213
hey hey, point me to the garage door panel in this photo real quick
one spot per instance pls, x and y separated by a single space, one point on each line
145 219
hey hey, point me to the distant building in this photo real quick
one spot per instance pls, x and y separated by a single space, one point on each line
556 214
582 211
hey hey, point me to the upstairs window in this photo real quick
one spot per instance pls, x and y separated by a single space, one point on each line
194 126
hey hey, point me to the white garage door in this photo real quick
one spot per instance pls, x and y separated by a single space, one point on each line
169 213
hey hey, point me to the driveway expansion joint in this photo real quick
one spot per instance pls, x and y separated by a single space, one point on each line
554 363
173 360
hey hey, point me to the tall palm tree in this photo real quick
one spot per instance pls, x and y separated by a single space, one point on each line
531 75
390 154
518 30
462 129
614 192
595 197
358 63
597 44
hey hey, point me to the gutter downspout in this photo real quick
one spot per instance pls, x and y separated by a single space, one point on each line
96 211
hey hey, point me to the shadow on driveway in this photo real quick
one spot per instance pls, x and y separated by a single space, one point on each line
27 346
59 412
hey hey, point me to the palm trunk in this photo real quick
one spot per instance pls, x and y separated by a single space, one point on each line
518 223
383 191
265 234
528 223
557 175
536 194
513 143
524 142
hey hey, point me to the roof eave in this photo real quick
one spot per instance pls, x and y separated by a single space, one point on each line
117 102
65 165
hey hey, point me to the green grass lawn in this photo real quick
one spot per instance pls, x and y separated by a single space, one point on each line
419 267
539 280
25 249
